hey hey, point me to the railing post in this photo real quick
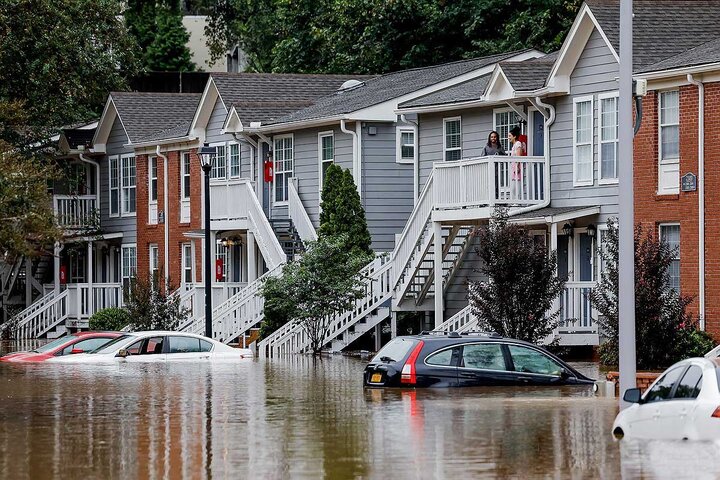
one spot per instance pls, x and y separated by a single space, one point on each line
491 179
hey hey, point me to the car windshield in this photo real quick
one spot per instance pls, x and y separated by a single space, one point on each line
109 347
52 345
395 350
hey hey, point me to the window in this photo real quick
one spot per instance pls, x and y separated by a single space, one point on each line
583 141
114 186
690 384
661 390
154 263
326 147
234 160
453 139
185 188
187 261
608 130
669 167
487 356
405 145
86 345
128 185
153 346
221 253
395 350
505 120
283 166
527 360
153 179
184 345
129 263
670 234
443 358
218 171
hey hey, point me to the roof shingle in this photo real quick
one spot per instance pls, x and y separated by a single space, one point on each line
155 116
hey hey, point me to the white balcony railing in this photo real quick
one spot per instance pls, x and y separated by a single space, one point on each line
75 211
577 314
228 199
493 180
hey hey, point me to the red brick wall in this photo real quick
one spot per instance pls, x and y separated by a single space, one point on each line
652 209
155 234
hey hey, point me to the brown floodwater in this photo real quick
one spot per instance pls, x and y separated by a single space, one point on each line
305 418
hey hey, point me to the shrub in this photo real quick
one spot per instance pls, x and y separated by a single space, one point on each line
112 318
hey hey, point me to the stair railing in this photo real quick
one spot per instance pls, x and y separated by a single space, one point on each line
298 214
264 235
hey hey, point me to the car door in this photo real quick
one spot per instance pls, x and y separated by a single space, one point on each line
484 363
651 417
533 367
681 409
440 368
183 348
148 350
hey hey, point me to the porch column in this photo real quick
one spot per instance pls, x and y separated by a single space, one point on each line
553 239
393 324
251 260
91 297
437 268
111 266
56 267
378 339
28 282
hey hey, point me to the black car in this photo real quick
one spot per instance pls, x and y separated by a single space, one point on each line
434 359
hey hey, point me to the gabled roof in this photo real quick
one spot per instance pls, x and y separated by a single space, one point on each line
155 116
705 54
462 92
390 86
530 74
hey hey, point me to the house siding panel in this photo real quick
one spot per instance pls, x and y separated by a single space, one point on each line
126 225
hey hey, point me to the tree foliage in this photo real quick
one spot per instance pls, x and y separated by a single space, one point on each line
363 36
342 212
517 297
161 37
153 308
664 331
112 318
58 61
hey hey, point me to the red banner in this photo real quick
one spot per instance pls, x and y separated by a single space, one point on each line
63 274
219 269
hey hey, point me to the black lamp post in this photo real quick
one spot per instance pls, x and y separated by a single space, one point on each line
207 154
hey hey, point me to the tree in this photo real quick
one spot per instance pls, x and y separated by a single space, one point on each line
363 36
58 61
517 297
342 212
162 39
665 332
153 308
26 213
278 307
112 318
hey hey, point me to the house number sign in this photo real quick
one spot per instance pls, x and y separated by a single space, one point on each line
689 182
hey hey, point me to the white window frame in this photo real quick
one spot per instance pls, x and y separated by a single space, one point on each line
399 145
444 139
583 182
678 256
229 160
276 171
600 142
502 137
154 261
321 178
663 165
214 171
187 254
125 189
116 189
132 269
152 204
185 195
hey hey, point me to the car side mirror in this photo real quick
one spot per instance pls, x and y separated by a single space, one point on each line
122 353
76 350
564 374
632 395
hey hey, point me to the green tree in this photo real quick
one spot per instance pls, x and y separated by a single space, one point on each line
112 318
160 34
665 332
517 298
278 307
153 308
342 212
363 36
58 61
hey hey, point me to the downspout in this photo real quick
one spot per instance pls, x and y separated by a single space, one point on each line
416 164
701 196
356 175
83 158
166 222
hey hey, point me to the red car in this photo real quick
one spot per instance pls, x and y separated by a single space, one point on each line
80 342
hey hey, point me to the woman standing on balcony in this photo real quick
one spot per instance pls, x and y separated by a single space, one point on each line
517 150
493 147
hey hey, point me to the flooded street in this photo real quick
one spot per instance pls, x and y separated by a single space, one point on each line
305 418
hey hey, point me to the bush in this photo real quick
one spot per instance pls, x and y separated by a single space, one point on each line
110 319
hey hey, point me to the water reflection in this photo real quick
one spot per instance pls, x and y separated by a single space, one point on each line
295 418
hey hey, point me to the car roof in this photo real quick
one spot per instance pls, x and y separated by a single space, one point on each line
95 332
156 333
466 337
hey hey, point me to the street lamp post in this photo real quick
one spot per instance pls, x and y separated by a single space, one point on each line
207 154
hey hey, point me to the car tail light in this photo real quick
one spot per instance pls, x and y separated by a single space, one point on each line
716 413
408 371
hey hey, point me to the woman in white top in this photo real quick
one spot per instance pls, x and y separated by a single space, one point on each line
517 150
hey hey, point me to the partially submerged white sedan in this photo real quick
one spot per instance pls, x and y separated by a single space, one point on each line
159 346
682 404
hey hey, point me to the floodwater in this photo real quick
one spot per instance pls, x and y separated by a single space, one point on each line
306 418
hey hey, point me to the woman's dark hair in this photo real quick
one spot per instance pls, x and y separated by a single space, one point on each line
515 131
489 144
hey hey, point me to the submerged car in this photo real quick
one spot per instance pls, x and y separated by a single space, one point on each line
159 346
434 359
682 404
73 344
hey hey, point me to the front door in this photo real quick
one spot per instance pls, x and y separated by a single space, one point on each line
538 134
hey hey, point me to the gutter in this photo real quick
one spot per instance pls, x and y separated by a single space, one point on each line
416 163
701 196
167 141
356 171
660 74
83 158
166 223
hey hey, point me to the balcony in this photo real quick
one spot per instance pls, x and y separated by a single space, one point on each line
229 203
489 182
76 212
